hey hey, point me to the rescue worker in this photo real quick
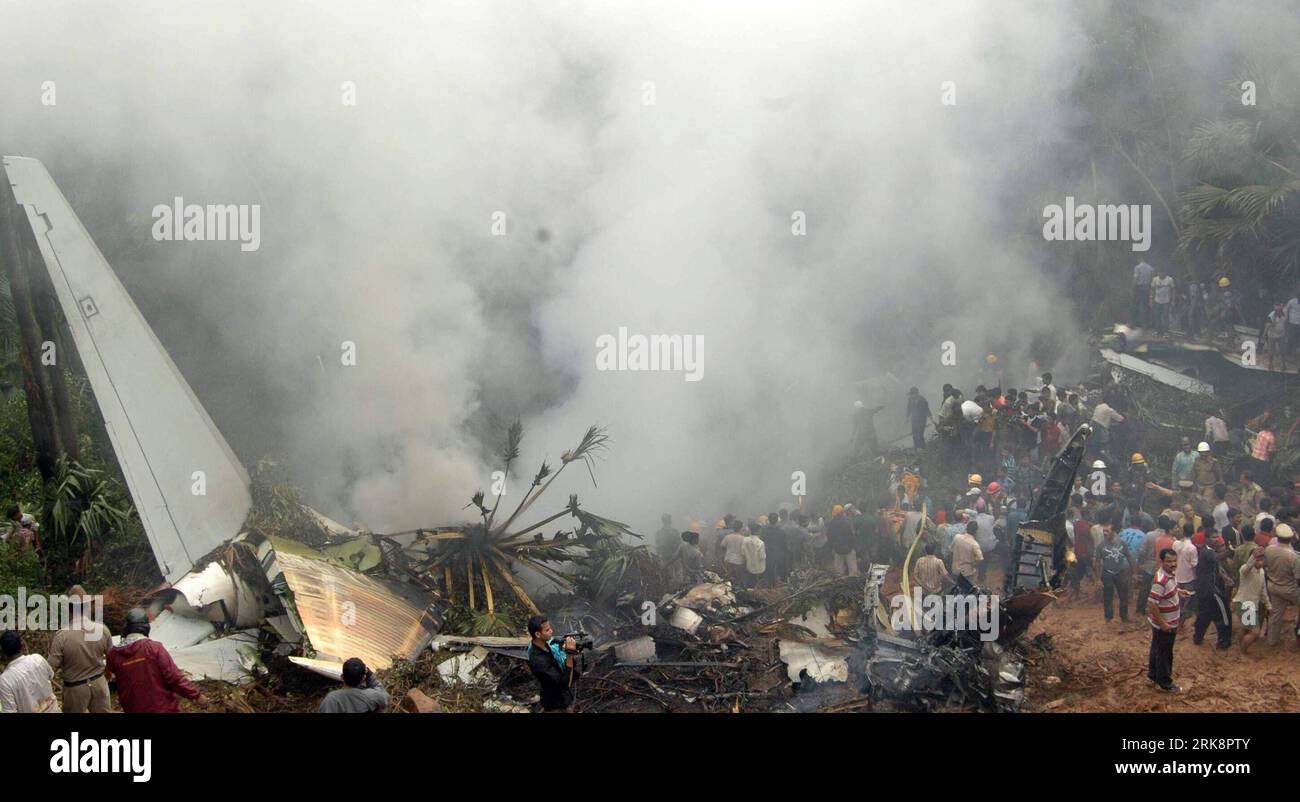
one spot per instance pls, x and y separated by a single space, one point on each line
148 680
81 656
1138 476
1206 472
1281 572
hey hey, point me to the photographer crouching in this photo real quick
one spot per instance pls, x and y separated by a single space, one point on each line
555 662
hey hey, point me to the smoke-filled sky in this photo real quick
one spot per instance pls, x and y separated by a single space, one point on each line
648 158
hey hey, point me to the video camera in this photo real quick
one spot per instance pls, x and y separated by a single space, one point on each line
582 641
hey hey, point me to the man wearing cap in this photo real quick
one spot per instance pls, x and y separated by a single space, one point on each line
1282 570
1206 472
148 680
80 650
1138 476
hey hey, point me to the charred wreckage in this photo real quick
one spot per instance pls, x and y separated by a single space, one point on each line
940 668
319 592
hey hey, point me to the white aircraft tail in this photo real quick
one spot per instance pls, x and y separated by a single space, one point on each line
163 438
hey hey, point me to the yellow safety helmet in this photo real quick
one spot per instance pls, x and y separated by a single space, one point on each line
991 359
975 479
1138 459
1223 282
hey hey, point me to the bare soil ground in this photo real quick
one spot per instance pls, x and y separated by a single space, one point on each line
1092 666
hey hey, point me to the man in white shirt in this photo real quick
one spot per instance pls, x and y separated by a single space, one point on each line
25 684
1292 311
1103 417
1162 300
733 556
1275 345
966 554
1221 517
1216 431
1265 511
755 552
1186 571
1046 384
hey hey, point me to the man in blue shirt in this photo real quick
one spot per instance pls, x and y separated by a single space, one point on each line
551 664
1132 537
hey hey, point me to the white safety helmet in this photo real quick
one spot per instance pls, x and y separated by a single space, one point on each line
1203 447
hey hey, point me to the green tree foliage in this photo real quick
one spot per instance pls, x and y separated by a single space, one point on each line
83 510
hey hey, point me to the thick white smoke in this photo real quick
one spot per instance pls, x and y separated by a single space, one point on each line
670 217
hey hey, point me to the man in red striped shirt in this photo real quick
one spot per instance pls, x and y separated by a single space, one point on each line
1163 608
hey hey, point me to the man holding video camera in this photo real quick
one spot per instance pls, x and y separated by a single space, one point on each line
552 662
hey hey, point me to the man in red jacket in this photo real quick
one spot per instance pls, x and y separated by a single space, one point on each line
147 677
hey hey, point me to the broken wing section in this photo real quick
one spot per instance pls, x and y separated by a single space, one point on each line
160 433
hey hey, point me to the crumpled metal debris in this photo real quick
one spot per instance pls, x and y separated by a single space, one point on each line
467 669
817 662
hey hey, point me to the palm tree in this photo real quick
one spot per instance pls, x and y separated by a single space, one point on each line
478 561
1246 208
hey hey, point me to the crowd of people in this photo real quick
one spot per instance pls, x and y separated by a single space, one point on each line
1215 518
1211 309
86 657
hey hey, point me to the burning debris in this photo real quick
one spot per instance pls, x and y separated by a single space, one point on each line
255 576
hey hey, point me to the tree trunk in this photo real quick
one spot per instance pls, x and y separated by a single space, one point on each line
49 406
